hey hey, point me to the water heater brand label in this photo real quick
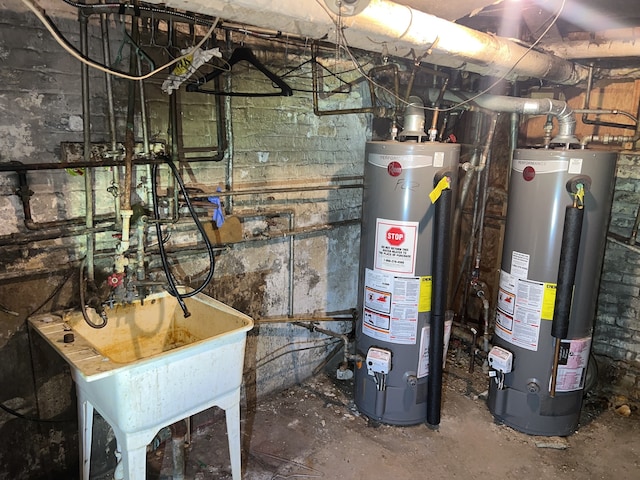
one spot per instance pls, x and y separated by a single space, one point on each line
529 173
541 166
407 161
394 169
396 245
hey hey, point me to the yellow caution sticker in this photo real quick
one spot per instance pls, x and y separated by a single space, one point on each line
443 184
424 302
548 301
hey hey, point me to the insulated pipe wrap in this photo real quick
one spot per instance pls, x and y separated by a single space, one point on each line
569 250
442 227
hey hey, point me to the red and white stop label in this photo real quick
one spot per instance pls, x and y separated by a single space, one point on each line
395 236
396 246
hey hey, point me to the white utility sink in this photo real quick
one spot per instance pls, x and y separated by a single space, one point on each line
151 367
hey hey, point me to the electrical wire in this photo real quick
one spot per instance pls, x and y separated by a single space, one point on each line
328 343
55 291
306 77
15 413
347 49
58 37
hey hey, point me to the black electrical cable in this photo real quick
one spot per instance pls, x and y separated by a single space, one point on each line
55 291
31 419
173 290
295 350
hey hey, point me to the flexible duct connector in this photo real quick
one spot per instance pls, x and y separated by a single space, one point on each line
526 106
541 106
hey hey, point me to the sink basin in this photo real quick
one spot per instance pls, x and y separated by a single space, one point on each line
151 367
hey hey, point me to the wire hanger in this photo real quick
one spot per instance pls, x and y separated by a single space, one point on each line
127 40
239 55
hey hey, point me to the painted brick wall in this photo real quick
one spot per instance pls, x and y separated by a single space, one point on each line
276 141
617 328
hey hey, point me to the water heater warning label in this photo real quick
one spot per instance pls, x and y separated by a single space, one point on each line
396 245
522 304
390 310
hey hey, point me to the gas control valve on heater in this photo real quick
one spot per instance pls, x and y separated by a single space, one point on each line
378 361
500 360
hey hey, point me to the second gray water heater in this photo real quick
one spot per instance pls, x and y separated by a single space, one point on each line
548 190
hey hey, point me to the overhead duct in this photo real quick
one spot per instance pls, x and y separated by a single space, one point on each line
526 106
401 29
599 48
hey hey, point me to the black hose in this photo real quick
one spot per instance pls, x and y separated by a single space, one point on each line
83 307
569 250
172 289
442 227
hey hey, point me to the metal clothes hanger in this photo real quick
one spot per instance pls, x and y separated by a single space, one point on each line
243 54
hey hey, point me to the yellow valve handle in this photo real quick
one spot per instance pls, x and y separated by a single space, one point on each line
443 184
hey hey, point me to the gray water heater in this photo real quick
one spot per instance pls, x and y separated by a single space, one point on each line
557 220
396 268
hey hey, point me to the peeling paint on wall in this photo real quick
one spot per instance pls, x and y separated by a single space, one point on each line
271 147
16 142
10 212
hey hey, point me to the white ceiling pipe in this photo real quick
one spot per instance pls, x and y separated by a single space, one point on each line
599 48
462 43
399 28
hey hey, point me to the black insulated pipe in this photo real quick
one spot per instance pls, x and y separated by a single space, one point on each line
441 251
569 249
571 233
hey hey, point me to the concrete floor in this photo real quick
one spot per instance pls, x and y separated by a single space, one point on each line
314 431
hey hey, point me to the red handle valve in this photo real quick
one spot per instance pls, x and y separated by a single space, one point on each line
115 279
